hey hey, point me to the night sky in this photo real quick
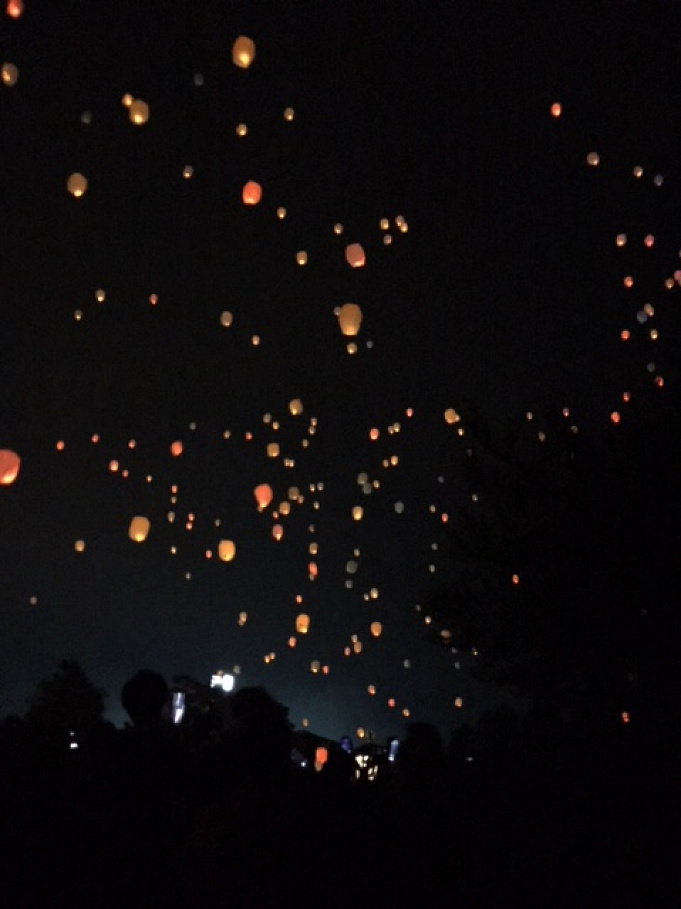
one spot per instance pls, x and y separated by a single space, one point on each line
502 290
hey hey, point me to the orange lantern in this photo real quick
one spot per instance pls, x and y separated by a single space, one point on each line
9 466
263 495
15 8
139 528
251 194
302 623
277 532
176 448
243 52
354 255
376 629
349 319
226 550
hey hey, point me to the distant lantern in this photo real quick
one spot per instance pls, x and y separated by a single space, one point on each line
243 52
15 8
138 112
251 194
301 257
263 495
349 319
77 185
357 513
226 550
302 623
273 450
176 448
277 532
451 416
226 318
295 406
10 74
79 545
139 528
321 756
241 129
556 109
243 618
312 570
9 466
289 114
354 255
593 159
376 628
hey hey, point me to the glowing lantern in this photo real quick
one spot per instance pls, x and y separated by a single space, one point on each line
273 450
313 570
138 112
301 257
139 528
79 545
315 666
176 448
277 532
451 416
302 623
10 74
76 185
354 255
263 495
226 318
376 628
251 194
321 756
9 466
243 52
357 513
349 319
226 550
593 159
15 8
295 406
243 618
556 110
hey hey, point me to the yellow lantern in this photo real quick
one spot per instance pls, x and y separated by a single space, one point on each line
451 416
243 52
354 255
349 319
77 185
357 513
79 545
263 495
251 194
302 623
9 466
139 528
226 550
295 406
376 628
273 450
138 112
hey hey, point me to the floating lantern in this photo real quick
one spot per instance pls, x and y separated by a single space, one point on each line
139 528
226 318
354 255
77 185
451 416
226 550
349 319
277 532
243 52
138 112
176 448
376 628
9 466
251 194
295 406
10 74
263 495
273 450
302 623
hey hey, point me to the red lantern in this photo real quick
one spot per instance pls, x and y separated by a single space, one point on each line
9 466
251 194
263 495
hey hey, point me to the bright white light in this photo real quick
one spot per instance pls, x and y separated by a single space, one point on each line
222 680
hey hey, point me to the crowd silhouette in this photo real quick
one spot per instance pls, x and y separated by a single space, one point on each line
227 809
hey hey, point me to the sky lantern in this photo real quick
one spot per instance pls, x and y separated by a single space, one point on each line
357 513
295 406
176 448
263 495
14 8
226 550
79 545
302 623
243 52
10 74
139 528
273 450
376 628
226 318
277 532
138 112
251 194
451 416
354 255
9 466
349 319
77 185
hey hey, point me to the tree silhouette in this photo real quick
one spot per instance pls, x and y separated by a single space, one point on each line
66 702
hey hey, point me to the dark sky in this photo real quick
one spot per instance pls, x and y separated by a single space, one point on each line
505 294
